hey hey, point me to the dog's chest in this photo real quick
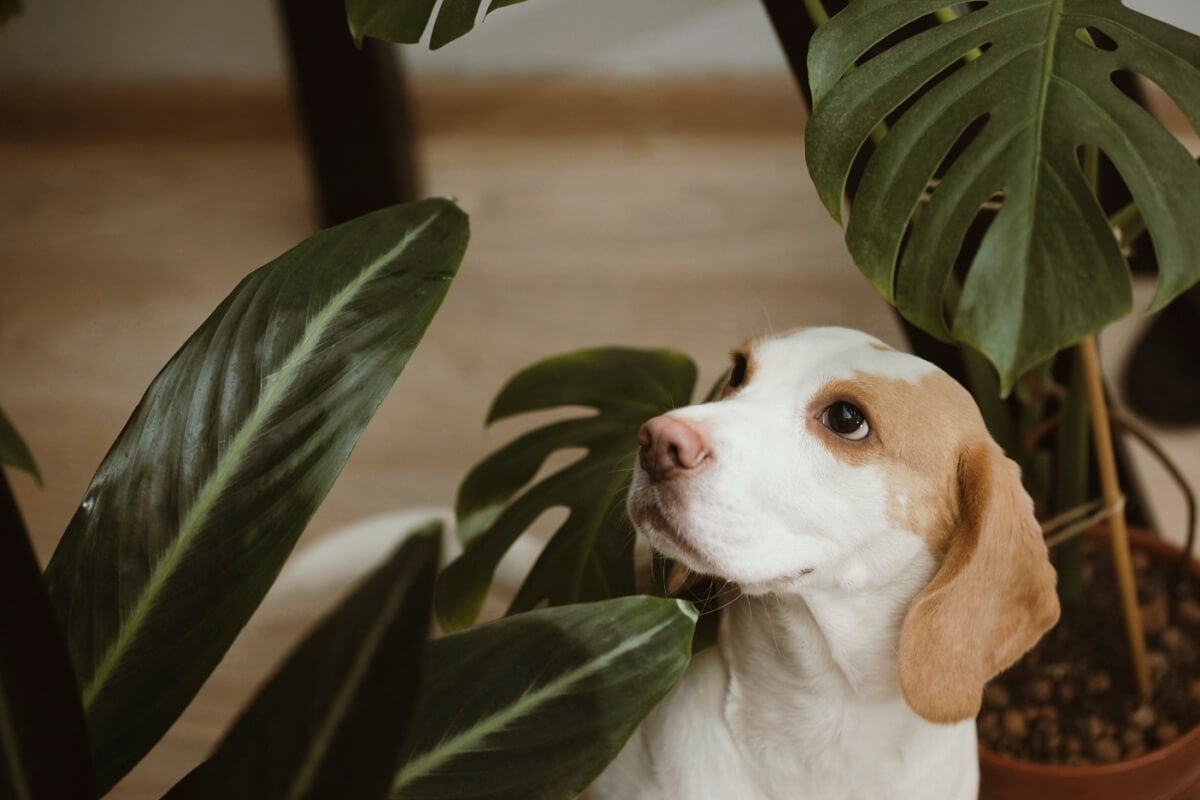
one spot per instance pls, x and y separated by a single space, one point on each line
836 751
709 740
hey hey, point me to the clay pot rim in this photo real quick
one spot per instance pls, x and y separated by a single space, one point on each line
1188 741
1163 549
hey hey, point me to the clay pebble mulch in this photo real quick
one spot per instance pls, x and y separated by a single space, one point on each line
1071 699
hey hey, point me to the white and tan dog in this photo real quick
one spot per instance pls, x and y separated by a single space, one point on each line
891 563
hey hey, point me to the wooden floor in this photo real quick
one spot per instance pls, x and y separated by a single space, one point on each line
652 214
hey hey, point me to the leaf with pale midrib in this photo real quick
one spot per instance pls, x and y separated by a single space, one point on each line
534 706
330 721
1049 271
236 442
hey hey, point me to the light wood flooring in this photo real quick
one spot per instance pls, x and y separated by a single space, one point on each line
653 214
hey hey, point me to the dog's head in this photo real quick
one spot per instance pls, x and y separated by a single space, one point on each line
832 460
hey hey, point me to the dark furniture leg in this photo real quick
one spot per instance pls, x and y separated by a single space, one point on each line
353 111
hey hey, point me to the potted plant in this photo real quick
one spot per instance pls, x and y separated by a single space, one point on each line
968 145
191 515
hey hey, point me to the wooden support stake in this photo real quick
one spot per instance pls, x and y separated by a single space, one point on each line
1119 535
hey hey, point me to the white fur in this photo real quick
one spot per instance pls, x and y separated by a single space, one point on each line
800 698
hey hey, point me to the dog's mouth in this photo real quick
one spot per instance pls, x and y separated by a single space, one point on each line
651 514
654 517
653 520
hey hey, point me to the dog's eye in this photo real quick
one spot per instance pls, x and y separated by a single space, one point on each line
846 421
737 375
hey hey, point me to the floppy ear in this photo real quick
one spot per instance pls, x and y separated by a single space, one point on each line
991 599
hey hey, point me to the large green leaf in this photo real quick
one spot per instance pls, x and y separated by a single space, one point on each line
44 752
1048 271
13 450
533 707
405 21
591 554
329 723
236 442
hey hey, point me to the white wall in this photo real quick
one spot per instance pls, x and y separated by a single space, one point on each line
105 40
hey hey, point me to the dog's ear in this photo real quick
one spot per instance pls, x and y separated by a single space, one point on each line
991 599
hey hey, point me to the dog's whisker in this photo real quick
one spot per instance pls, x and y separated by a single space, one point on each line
771 623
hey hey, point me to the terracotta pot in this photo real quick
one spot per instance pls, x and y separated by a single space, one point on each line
1168 773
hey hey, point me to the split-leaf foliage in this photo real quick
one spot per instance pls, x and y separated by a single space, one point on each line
1019 87
590 556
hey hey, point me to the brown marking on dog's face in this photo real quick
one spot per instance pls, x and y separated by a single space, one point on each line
993 594
880 346
916 431
742 369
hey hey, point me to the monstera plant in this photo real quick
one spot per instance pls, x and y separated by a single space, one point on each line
1002 105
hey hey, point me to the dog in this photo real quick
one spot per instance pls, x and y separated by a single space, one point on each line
889 563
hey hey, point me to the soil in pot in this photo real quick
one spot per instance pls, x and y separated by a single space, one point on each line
1071 700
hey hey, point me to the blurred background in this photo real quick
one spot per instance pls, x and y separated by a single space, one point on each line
634 172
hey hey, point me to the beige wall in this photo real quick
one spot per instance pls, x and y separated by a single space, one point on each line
107 40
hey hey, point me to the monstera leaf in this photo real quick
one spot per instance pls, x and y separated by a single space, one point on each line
1034 84
404 21
591 554
535 705
234 445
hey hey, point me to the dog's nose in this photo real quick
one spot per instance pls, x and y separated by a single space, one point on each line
668 446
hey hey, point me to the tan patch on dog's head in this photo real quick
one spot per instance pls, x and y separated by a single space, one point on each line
993 595
743 355
916 430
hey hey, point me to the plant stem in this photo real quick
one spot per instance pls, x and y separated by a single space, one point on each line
1111 492
816 12
1071 484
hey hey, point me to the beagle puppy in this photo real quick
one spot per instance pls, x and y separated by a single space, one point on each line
888 561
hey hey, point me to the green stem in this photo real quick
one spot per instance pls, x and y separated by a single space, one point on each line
1071 446
816 12
1129 221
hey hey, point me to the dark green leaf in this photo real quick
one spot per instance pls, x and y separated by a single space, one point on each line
233 447
329 723
13 451
405 21
591 555
44 752
533 707
1049 271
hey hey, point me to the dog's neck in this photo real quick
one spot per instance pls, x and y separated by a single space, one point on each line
822 657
